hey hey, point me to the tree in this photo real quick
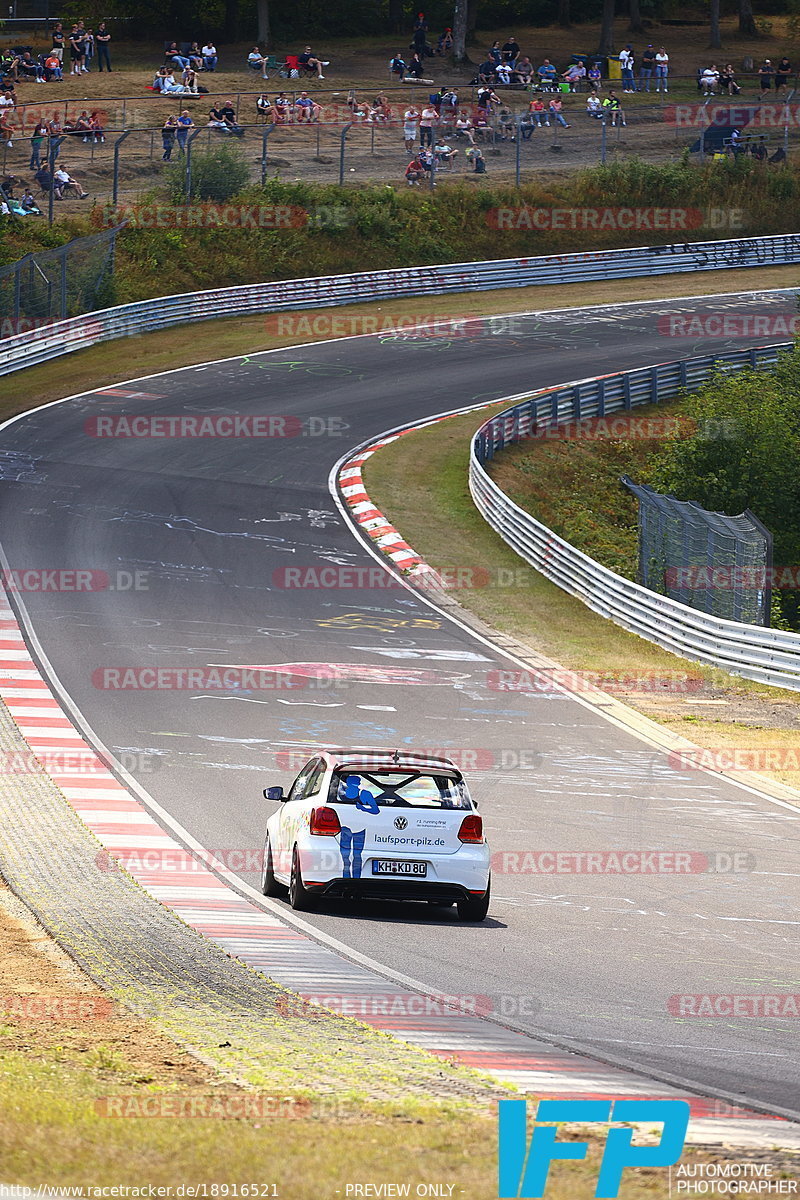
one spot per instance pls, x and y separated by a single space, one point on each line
635 25
460 31
747 24
607 28
564 13
395 16
716 37
262 13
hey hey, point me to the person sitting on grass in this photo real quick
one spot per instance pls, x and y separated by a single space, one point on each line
27 67
174 57
442 152
265 109
416 67
445 42
195 57
189 81
574 74
547 75
523 71
307 110
28 203
257 62
210 56
397 66
67 183
308 61
594 106
465 128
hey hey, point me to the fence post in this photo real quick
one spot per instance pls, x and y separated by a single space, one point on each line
17 291
603 139
52 153
267 130
345 130
117 144
187 187
519 143
63 285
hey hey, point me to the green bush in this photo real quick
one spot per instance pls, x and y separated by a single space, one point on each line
217 174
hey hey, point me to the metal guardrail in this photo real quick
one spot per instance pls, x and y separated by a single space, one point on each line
43 344
769 656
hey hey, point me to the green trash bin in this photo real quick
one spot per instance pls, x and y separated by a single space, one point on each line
564 87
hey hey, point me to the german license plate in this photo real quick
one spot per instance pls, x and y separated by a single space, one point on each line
388 866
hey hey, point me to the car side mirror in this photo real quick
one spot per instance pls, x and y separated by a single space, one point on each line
274 793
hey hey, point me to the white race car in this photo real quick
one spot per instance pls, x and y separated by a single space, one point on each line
387 824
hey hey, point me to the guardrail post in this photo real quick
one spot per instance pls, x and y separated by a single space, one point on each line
345 130
267 130
654 384
626 391
115 185
601 397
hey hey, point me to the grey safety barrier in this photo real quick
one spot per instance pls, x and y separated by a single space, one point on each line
50 341
767 655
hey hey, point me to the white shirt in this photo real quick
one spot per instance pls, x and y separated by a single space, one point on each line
209 51
662 59
410 116
626 60
6 101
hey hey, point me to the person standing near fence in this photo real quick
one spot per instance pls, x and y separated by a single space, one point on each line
102 40
410 122
58 39
37 142
646 72
75 51
427 120
185 124
626 64
168 134
662 70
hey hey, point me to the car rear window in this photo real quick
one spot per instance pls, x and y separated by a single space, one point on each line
401 789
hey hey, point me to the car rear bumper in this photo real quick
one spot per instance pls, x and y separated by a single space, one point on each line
382 888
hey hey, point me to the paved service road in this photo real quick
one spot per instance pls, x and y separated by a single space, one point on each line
213 522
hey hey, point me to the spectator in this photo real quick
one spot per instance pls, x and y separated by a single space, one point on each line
486 100
465 128
727 80
428 119
783 72
96 125
416 66
538 113
613 106
210 56
189 81
82 126
283 109
593 106
67 183
474 155
169 86
265 109
75 51
555 108
662 70
510 50
506 124
574 74
765 74
420 39
442 152
626 61
448 105
48 183
647 68
495 54
310 62
410 126
28 203
6 99
710 80
52 69
196 56
88 50
547 75
486 71
7 127
445 42
168 133
27 66
307 110
397 66
257 61
523 71
38 139
102 41
175 58
229 117
595 76
420 24
503 73
58 38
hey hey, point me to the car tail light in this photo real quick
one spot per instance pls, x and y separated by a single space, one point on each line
471 829
325 821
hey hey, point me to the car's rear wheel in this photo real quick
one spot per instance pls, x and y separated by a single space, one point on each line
269 884
475 908
300 898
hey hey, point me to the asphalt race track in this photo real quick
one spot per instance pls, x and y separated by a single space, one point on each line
214 521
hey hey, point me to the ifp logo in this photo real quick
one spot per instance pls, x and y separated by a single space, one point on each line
523 1170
